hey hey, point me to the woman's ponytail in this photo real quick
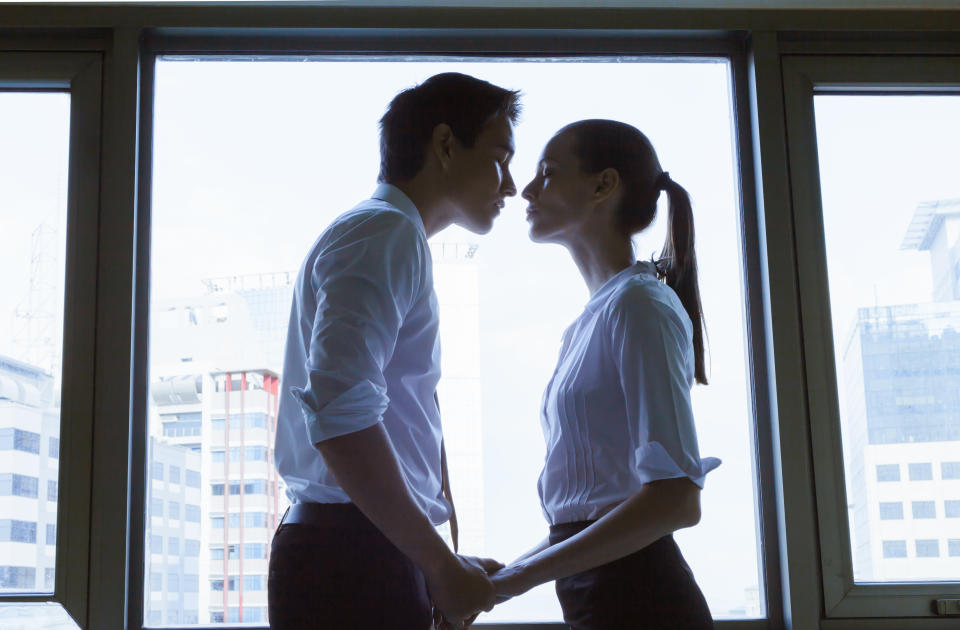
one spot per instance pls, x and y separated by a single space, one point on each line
678 264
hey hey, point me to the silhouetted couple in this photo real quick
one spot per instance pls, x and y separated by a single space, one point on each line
359 440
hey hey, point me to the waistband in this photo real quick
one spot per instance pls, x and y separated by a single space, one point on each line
562 531
341 515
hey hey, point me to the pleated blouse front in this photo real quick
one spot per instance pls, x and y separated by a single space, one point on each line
617 414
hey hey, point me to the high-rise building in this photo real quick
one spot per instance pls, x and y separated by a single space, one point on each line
29 465
902 421
215 363
173 535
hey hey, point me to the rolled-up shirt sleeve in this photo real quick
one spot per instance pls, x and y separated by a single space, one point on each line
364 281
653 354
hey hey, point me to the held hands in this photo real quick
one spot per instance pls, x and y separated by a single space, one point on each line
462 589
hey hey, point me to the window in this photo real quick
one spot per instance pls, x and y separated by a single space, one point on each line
156 582
191 583
217 616
174 474
173 582
51 534
254 551
51 490
192 513
173 546
22 578
156 544
951 509
256 453
894 549
891 511
42 132
880 351
14 485
18 531
191 548
953 547
15 439
156 508
216 489
255 519
216 522
193 478
463 264
888 472
254 583
173 615
921 472
928 548
950 470
924 509
258 486
173 510
156 471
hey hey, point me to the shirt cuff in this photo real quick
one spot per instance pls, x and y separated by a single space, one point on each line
654 463
358 408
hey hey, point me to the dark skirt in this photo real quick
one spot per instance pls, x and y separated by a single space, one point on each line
651 589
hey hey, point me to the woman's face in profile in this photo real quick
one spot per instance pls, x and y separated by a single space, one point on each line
559 194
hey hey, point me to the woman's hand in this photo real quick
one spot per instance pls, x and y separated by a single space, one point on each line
510 582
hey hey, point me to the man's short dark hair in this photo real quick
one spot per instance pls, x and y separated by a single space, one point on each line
461 101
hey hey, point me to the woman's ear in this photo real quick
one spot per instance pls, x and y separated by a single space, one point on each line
441 144
607 183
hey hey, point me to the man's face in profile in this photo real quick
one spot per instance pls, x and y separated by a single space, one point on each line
480 177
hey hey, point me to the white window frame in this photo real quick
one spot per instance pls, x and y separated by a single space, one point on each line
24 67
803 77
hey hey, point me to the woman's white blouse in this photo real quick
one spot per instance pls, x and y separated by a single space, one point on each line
617 414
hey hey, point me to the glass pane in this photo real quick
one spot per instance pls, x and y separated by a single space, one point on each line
889 162
253 159
34 140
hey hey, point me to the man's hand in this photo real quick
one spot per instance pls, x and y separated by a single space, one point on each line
461 589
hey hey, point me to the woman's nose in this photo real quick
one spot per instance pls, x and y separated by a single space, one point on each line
528 191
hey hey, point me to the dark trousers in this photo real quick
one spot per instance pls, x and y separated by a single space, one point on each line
341 573
652 589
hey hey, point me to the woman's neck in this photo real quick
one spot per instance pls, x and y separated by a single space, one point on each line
600 258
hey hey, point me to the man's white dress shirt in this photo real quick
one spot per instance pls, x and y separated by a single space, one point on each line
617 414
363 348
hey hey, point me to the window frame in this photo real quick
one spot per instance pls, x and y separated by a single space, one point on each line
466 44
24 67
844 68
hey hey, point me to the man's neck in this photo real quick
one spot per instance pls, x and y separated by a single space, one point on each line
431 206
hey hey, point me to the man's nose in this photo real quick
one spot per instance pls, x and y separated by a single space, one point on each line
508 188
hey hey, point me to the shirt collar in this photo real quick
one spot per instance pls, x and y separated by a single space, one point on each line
614 281
396 197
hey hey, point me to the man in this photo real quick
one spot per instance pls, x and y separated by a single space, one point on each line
359 442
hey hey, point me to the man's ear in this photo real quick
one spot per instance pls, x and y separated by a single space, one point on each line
607 183
442 143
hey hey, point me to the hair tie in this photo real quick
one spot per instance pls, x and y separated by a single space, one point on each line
662 180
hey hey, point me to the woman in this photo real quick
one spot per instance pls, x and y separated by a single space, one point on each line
622 470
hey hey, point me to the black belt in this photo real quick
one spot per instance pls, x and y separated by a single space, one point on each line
326 515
